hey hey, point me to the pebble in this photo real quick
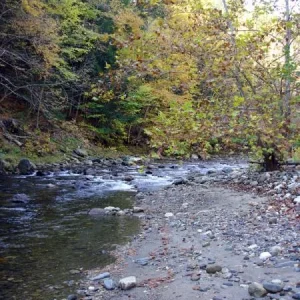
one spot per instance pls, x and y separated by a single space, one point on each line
296 296
127 283
72 297
274 286
265 255
109 284
195 277
212 269
275 250
143 261
101 276
169 215
257 290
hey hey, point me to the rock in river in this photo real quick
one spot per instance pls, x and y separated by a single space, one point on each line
26 167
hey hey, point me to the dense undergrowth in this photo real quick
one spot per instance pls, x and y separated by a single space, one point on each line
171 77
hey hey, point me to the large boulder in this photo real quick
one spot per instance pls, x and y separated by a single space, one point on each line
26 167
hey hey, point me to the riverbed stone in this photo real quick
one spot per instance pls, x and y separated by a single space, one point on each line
256 289
138 209
101 276
275 250
109 284
265 255
169 215
212 269
274 286
72 297
127 283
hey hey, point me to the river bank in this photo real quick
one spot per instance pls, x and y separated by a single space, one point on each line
204 239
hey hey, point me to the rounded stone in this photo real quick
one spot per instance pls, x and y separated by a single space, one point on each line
256 289
212 269
273 286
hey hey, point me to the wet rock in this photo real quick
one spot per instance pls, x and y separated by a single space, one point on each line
227 170
20 198
26 167
109 284
212 269
97 212
256 290
274 286
101 276
128 178
127 283
72 297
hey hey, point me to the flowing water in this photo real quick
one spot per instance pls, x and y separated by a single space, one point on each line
47 238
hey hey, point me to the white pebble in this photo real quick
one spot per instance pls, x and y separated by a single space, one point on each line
265 255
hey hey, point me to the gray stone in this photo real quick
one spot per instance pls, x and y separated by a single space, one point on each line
212 269
273 286
275 250
127 283
227 170
297 200
143 261
81 152
296 296
137 209
179 181
101 276
72 297
109 284
26 167
20 198
97 212
195 277
256 290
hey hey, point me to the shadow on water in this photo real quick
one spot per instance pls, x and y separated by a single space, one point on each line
47 237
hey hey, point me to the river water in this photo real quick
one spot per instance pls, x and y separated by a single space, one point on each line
47 238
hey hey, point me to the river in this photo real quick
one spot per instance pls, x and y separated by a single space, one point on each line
47 238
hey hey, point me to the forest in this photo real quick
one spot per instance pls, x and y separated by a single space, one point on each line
177 77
